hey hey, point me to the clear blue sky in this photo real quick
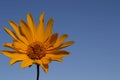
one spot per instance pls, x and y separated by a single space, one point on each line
93 24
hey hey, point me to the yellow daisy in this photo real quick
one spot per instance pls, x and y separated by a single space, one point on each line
35 44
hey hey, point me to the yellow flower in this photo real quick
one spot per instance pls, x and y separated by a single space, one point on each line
35 44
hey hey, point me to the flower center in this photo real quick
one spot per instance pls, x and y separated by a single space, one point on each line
36 51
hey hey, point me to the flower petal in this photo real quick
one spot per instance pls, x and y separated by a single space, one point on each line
59 52
14 55
9 45
44 66
57 55
45 60
31 25
15 27
48 31
20 46
51 40
66 44
18 31
40 28
12 34
14 60
60 40
23 39
55 58
8 51
25 30
25 63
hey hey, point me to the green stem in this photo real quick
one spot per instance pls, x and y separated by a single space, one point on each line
37 72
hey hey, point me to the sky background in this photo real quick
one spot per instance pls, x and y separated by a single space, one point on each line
94 25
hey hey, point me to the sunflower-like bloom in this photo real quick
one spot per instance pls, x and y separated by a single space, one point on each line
35 44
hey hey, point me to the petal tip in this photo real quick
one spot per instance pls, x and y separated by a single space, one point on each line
42 15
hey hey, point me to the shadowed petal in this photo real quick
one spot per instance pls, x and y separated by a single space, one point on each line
25 63
57 55
48 31
9 45
51 41
44 66
19 45
18 31
12 34
66 44
25 30
9 51
60 40
59 52
15 27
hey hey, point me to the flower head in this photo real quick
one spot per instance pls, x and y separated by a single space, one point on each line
35 44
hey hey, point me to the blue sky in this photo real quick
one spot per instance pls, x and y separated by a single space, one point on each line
93 24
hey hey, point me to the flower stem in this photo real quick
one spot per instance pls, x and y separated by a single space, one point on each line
37 72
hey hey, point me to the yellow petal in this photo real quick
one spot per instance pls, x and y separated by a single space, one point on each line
51 40
23 39
55 58
66 44
25 63
60 40
57 55
31 25
40 28
9 45
59 59
38 62
15 27
48 31
25 30
12 34
19 45
14 55
8 51
45 60
44 66
14 60
18 31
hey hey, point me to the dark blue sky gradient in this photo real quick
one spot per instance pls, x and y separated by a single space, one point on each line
93 24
